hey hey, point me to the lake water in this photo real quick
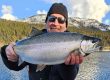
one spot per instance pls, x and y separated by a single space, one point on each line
95 67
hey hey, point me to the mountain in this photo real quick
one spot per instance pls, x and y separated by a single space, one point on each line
73 21
91 23
77 22
40 18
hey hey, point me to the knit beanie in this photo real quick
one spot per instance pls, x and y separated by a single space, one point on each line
58 8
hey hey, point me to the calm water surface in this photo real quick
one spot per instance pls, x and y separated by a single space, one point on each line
95 67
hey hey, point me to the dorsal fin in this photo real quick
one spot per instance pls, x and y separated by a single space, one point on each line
35 32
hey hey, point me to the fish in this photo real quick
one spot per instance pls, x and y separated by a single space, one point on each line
50 48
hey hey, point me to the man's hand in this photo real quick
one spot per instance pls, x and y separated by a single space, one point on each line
74 58
11 55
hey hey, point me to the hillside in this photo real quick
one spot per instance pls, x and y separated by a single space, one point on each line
14 30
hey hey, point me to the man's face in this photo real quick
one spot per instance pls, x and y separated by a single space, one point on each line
56 23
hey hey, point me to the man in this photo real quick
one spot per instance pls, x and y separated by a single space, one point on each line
56 21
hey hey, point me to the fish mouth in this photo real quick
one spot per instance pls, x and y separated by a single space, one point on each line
96 47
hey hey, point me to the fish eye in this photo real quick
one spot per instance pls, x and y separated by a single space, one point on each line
95 40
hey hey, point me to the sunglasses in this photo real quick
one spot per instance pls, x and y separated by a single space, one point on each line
60 20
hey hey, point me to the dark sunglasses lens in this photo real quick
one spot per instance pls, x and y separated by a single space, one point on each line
51 19
61 20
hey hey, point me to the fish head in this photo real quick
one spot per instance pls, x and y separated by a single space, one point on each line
89 45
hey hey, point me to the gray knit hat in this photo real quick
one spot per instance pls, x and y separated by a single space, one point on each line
58 8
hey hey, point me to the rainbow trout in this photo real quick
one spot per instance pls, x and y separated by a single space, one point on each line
53 47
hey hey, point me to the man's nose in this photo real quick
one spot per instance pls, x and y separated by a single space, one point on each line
56 22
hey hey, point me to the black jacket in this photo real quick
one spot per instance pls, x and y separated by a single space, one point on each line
56 72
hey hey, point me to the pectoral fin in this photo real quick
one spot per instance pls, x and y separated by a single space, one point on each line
40 67
20 61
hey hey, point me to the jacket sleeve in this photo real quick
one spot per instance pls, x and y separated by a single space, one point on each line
9 64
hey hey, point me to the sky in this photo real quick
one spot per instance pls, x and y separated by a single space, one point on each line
92 9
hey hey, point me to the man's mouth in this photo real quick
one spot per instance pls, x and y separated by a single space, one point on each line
53 28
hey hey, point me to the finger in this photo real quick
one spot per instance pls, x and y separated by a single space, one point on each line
12 49
13 60
81 58
77 59
72 59
11 55
67 61
9 52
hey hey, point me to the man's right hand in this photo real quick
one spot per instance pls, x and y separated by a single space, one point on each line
11 55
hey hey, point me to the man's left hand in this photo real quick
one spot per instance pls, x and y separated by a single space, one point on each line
74 58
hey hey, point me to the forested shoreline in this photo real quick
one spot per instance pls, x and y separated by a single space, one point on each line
13 30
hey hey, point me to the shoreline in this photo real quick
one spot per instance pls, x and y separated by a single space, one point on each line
107 48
